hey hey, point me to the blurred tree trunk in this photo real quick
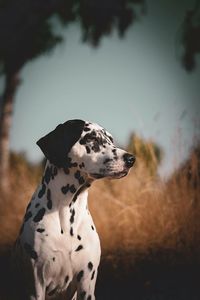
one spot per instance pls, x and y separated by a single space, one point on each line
7 103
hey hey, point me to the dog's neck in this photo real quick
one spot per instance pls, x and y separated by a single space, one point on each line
64 189
64 184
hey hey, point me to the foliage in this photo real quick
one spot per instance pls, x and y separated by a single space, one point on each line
191 37
26 30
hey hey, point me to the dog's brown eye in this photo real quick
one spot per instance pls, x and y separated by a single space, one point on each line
89 139
96 147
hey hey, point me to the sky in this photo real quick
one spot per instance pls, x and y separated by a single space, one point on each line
135 84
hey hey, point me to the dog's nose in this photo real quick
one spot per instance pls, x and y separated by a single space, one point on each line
129 160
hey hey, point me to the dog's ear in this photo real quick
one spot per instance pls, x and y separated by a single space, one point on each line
57 144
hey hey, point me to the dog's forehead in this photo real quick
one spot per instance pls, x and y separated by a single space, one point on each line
96 127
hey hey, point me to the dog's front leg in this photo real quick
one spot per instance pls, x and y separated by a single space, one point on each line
86 285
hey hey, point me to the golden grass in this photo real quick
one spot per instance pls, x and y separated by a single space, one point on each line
23 181
140 213
136 214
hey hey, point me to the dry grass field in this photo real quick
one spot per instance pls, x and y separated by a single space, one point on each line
149 228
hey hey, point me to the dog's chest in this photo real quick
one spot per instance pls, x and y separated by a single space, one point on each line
65 241
63 256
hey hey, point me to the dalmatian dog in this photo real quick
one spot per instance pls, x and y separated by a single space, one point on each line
58 247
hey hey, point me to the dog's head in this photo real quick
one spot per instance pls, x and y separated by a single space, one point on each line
87 146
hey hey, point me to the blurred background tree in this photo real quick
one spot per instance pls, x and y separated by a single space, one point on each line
26 32
191 37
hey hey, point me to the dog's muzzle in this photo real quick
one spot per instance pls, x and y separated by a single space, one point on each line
112 173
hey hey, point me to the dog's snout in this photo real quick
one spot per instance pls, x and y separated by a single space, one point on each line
129 160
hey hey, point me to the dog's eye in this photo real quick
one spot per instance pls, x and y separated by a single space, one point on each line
96 147
90 139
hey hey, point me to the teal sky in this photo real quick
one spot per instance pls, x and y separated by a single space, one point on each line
136 84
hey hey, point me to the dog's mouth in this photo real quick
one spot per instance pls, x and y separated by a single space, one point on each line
118 175
110 175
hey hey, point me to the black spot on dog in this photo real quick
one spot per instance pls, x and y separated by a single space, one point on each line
83 294
115 153
48 173
66 171
78 176
82 142
82 165
40 230
32 253
70 164
66 279
65 189
92 227
80 190
80 275
49 201
61 231
37 204
72 189
93 273
81 180
40 214
90 266
80 247
87 149
51 293
53 258
89 297
72 216
79 237
71 231
27 216
110 138
42 191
